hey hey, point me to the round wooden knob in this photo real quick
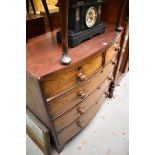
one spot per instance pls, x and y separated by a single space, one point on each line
99 87
110 78
114 62
80 124
82 94
81 77
116 43
80 110
117 49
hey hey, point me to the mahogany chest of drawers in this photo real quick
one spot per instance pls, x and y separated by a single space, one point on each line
66 98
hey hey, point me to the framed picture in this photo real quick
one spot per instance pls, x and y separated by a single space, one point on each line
38 132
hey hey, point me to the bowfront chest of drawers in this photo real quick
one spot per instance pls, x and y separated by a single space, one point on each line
66 98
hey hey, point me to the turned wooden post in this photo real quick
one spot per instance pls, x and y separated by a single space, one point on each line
120 50
113 83
121 11
32 4
48 14
63 8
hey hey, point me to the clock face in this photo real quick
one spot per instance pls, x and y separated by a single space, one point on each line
91 17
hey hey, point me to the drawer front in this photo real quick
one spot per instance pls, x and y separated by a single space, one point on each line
72 115
68 101
80 123
58 82
110 52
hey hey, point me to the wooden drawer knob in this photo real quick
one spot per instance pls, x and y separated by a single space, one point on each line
114 62
116 43
99 87
82 94
117 49
81 77
80 110
110 78
80 124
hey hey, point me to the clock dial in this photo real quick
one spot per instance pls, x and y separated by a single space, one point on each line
91 17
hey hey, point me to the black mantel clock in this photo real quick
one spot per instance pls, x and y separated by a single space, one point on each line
83 21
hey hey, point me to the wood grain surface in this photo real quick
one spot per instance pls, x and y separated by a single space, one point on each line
43 53
80 123
72 115
72 98
60 81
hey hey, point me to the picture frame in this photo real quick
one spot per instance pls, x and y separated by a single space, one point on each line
38 133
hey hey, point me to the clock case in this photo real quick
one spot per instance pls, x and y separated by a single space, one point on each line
77 29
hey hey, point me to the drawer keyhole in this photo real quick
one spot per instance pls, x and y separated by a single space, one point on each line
79 68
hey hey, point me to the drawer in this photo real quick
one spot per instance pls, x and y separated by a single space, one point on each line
110 52
72 98
80 123
60 81
72 115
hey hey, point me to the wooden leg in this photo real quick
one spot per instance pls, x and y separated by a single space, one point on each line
60 148
48 14
32 4
111 90
27 6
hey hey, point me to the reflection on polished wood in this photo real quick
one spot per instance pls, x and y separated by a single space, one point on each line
43 52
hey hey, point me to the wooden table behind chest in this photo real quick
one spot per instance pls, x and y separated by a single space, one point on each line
66 98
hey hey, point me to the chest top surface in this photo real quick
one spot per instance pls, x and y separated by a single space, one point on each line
43 53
